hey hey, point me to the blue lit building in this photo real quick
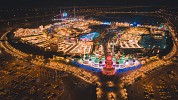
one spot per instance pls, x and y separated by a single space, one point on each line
90 36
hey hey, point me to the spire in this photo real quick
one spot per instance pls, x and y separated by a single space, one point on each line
74 13
61 13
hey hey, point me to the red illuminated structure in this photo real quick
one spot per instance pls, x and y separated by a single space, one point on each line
108 69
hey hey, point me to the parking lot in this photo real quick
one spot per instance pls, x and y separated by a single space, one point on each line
159 85
29 81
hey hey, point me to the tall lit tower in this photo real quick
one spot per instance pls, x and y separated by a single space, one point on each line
112 48
74 13
61 13
108 69
0 53
84 53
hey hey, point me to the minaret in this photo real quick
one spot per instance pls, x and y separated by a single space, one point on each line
60 13
112 48
74 13
84 53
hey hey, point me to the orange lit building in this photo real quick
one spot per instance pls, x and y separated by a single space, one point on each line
108 69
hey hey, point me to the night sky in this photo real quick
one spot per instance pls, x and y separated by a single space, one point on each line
56 3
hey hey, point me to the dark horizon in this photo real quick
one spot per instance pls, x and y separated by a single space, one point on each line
69 3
